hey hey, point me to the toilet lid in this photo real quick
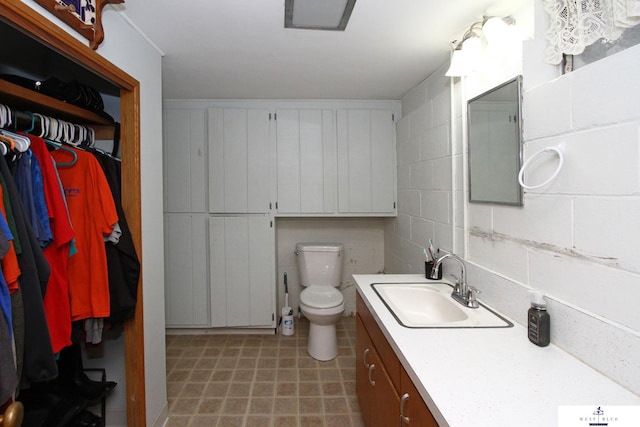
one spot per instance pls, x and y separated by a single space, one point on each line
321 297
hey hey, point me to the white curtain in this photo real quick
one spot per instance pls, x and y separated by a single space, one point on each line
575 24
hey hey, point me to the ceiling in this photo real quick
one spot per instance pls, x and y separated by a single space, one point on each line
239 49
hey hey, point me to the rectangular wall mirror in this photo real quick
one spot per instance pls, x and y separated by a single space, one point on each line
495 145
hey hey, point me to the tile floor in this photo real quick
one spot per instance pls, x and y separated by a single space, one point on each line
261 380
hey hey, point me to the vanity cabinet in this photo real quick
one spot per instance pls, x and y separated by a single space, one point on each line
306 161
386 394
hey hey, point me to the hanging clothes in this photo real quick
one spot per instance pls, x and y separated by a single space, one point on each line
28 179
9 262
39 361
56 300
5 296
8 374
93 215
122 259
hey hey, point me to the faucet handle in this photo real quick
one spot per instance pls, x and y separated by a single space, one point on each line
473 289
471 297
457 288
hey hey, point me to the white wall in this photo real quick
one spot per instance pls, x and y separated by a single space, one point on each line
129 51
575 239
363 252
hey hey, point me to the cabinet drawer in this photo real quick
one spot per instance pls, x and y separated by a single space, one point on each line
391 362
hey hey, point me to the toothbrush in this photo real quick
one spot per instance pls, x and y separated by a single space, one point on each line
428 257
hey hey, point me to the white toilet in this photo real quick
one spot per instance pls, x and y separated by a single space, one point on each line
320 268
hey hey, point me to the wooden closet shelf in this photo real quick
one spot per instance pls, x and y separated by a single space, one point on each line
19 97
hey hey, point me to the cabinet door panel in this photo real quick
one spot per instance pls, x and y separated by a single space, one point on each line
262 271
364 357
237 271
288 166
218 271
415 409
366 161
186 270
305 161
383 162
242 271
386 402
184 160
238 160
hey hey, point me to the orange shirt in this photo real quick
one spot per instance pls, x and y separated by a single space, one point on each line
93 215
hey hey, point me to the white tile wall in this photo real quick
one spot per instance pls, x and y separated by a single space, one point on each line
576 239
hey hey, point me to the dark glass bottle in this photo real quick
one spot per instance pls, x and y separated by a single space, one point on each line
539 322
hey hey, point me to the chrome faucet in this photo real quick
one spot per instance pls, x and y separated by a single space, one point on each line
462 292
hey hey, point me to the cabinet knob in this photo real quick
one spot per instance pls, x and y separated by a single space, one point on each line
404 419
364 357
371 368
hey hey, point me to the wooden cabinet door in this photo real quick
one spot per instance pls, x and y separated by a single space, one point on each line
184 159
305 141
378 397
239 156
386 402
415 412
242 271
366 162
364 358
186 293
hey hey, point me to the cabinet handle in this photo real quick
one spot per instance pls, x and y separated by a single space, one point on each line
403 400
371 368
364 357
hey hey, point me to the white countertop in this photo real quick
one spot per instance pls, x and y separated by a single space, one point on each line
489 377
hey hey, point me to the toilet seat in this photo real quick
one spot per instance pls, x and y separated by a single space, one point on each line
321 297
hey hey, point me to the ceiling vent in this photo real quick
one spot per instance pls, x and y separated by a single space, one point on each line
331 15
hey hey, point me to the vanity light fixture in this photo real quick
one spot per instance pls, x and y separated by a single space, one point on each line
332 15
468 52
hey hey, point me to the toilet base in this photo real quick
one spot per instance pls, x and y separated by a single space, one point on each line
323 342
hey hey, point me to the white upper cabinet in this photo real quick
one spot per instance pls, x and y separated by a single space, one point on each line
306 161
238 160
184 160
366 162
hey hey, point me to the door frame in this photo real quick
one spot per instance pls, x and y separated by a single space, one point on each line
22 17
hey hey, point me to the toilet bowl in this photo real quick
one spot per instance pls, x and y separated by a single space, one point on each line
320 267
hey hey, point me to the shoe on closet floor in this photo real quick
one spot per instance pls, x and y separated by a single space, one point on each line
87 419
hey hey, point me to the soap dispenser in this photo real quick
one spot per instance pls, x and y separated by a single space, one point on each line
538 320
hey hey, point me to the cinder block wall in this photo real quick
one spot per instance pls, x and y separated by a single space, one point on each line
575 239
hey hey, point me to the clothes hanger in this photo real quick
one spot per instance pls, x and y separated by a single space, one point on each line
20 143
45 125
59 146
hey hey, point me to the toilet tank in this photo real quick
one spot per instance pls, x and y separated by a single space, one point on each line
319 263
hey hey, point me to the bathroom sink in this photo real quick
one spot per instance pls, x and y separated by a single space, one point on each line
429 305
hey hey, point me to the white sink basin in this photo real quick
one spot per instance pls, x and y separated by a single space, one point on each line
429 305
